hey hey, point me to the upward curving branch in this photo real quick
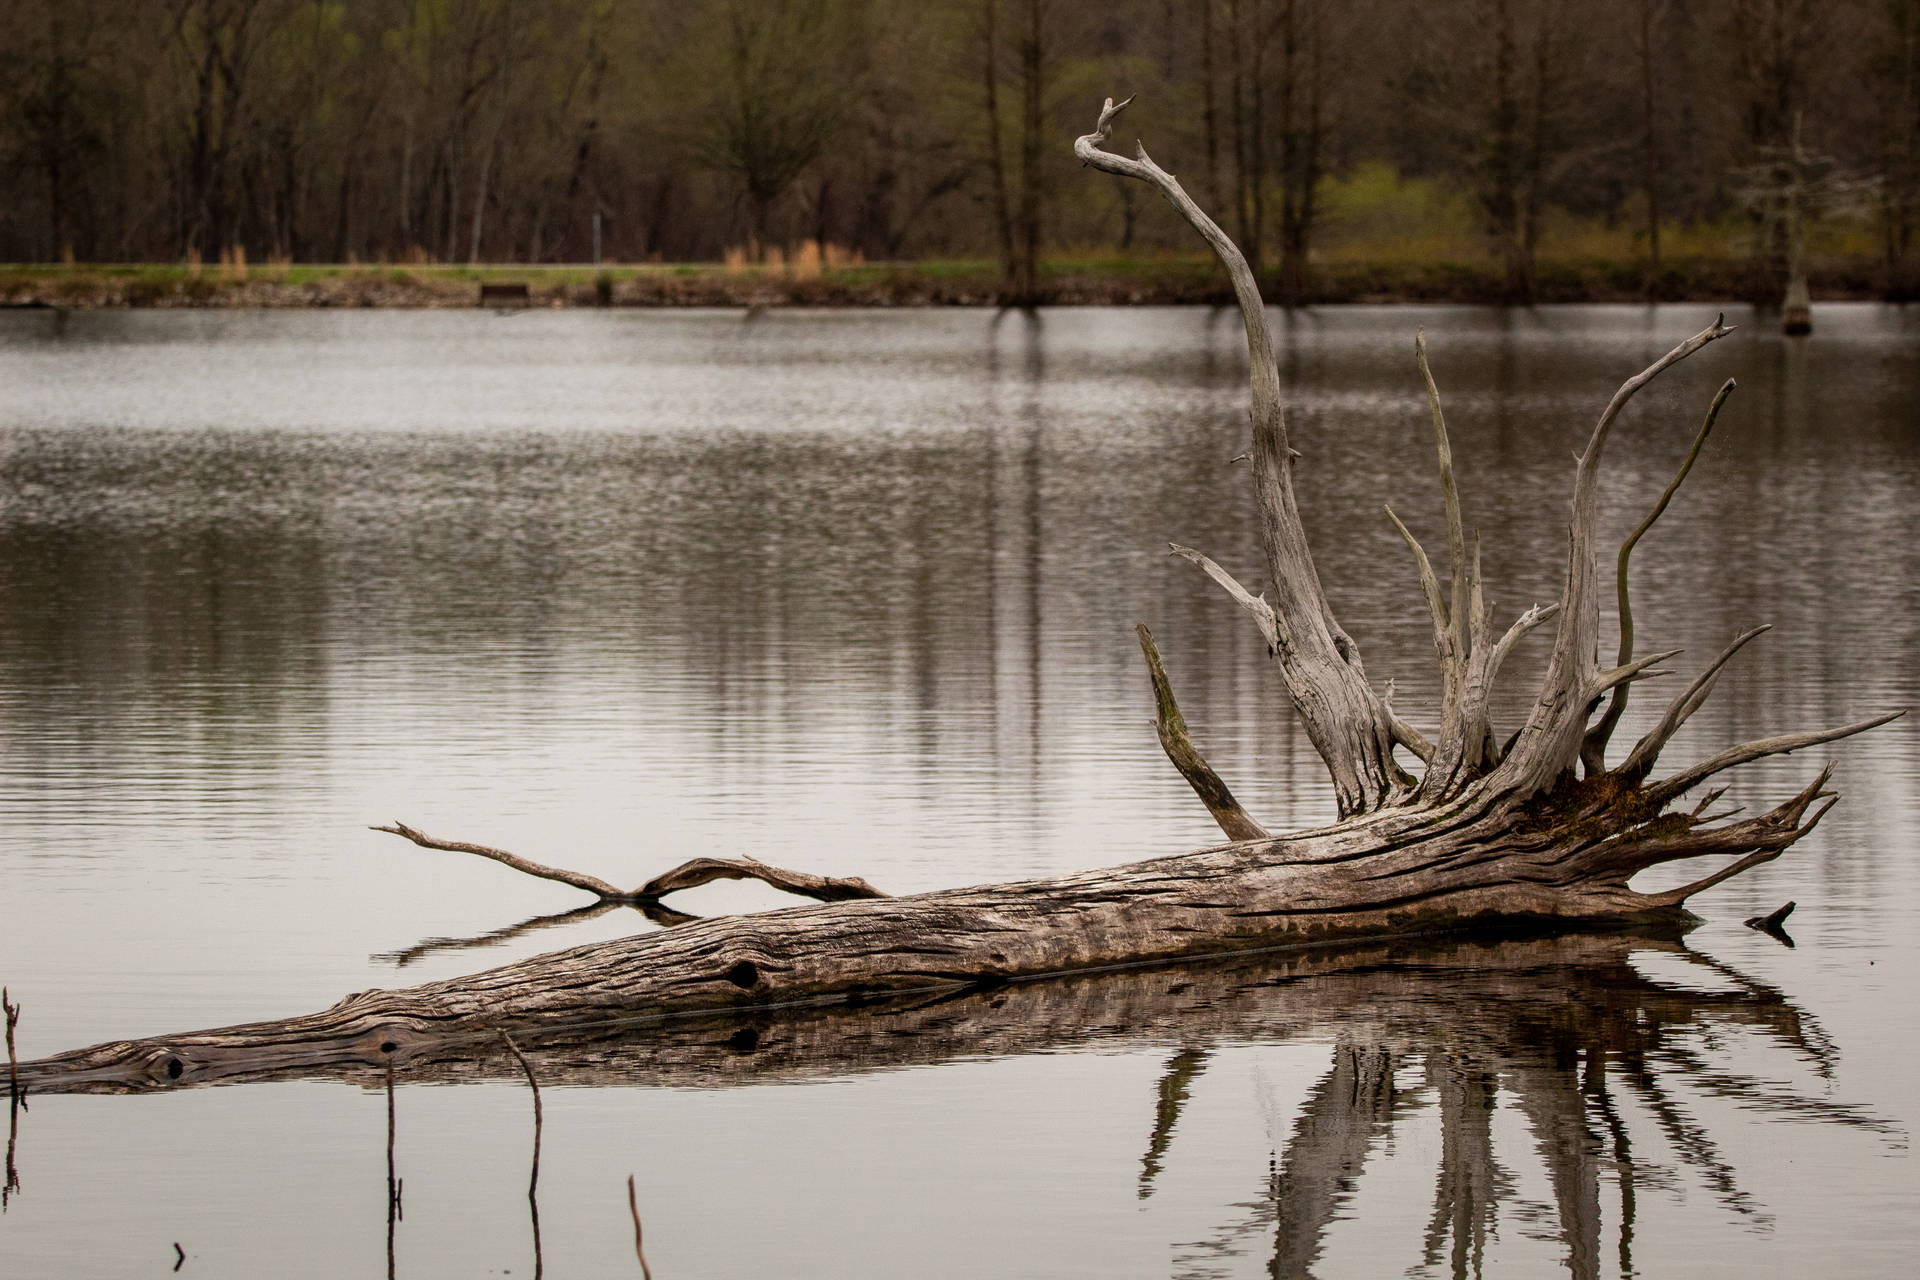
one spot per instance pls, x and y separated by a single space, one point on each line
1347 722
1593 752
1549 744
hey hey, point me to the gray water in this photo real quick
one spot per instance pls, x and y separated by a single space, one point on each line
854 593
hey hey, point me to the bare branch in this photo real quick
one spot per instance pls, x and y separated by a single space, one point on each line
1597 441
1522 626
1410 738
1594 750
639 1251
1638 669
1261 611
1321 665
1706 800
1186 757
1451 655
1747 752
1478 616
1555 732
696 871
1771 834
1640 760
699 871
592 884
1456 534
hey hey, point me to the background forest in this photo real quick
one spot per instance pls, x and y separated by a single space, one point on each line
467 131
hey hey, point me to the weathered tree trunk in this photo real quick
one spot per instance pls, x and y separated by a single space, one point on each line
1490 834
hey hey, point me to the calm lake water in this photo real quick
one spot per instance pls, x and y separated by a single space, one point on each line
854 593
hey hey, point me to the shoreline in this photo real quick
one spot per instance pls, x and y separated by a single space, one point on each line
1066 282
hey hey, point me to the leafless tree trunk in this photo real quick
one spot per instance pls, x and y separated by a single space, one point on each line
1494 830
1033 68
1303 89
1210 116
996 157
1248 33
1650 140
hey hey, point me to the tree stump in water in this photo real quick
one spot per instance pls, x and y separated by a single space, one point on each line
1530 828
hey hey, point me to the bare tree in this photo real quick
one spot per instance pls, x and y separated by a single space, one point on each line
1306 30
779 97
1019 193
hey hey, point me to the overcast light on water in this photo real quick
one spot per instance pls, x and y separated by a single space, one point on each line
853 592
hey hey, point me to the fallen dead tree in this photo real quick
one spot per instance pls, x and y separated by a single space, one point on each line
1533 827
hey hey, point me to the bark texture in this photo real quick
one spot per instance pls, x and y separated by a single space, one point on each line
1535 827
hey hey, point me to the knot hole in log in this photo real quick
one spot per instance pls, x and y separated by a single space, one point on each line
743 975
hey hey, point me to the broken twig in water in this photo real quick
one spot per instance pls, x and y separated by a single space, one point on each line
1773 924
12 1011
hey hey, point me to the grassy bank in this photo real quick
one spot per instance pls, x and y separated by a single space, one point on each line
959 282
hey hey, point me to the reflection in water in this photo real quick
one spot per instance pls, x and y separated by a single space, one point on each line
855 593
1174 1085
16 1100
16 1103
395 1187
533 1178
654 911
1564 1031
1575 1035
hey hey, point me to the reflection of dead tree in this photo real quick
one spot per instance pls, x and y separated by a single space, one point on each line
15 1105
1553 1045
656 912
1347 1113
1180 1073
1471 1183
1534 826
1565 1025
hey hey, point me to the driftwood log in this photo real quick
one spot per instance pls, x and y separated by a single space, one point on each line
1491 831
1569 1028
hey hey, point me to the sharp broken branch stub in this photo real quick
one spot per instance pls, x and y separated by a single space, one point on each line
1488 836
